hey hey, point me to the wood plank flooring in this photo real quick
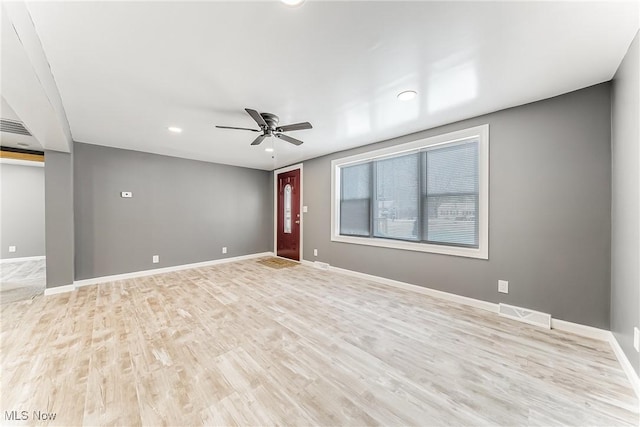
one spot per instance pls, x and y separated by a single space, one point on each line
245 344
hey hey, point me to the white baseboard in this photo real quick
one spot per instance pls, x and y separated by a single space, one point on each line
578 329
26 258
307 263
59 289
103 279
626 365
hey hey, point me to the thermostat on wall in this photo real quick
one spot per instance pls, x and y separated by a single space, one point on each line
126 194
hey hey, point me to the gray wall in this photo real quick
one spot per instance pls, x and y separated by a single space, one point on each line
22 210
59 231
185 211
549 226
625 203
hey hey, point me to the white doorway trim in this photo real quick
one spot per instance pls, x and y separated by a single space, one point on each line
275 206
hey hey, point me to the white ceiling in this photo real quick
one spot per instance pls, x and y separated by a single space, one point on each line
128 70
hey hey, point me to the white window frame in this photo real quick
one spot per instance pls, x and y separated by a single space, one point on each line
481 252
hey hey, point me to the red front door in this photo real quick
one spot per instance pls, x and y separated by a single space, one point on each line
288 235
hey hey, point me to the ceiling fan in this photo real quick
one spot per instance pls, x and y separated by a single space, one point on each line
269 127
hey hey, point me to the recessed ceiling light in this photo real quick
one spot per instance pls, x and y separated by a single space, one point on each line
292 2
174 129
269 150
407 95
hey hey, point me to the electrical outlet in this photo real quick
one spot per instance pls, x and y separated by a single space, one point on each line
503 286
156 259
12 248
636 338
224 249
315 252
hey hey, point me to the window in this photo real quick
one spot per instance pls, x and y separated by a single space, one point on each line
355 200
429 195
396 209
450 194
287 209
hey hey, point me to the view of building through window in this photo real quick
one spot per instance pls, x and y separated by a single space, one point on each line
396 208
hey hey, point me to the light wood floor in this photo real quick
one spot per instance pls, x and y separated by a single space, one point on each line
22 280
245 344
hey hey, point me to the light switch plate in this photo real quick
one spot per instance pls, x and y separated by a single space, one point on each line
12 248
636 338
503 286
156 259
126 194
305 209
224 250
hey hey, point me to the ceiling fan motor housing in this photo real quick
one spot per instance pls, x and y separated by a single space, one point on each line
271 119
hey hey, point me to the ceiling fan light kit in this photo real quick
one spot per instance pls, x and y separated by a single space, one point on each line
268 124
407 95
292 3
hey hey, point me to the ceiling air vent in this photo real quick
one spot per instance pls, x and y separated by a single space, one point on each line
11 126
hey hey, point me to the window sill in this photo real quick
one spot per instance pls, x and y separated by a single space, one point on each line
480 253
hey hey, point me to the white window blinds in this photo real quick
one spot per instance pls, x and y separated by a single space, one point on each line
428 196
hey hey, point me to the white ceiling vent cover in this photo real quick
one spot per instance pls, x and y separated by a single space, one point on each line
525 315
12 126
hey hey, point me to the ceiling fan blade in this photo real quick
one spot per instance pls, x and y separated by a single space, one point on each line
288 139
258 140
257 117
296 126
230 127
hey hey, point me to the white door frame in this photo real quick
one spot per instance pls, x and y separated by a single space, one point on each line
275 207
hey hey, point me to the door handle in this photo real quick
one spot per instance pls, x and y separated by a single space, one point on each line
297 222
